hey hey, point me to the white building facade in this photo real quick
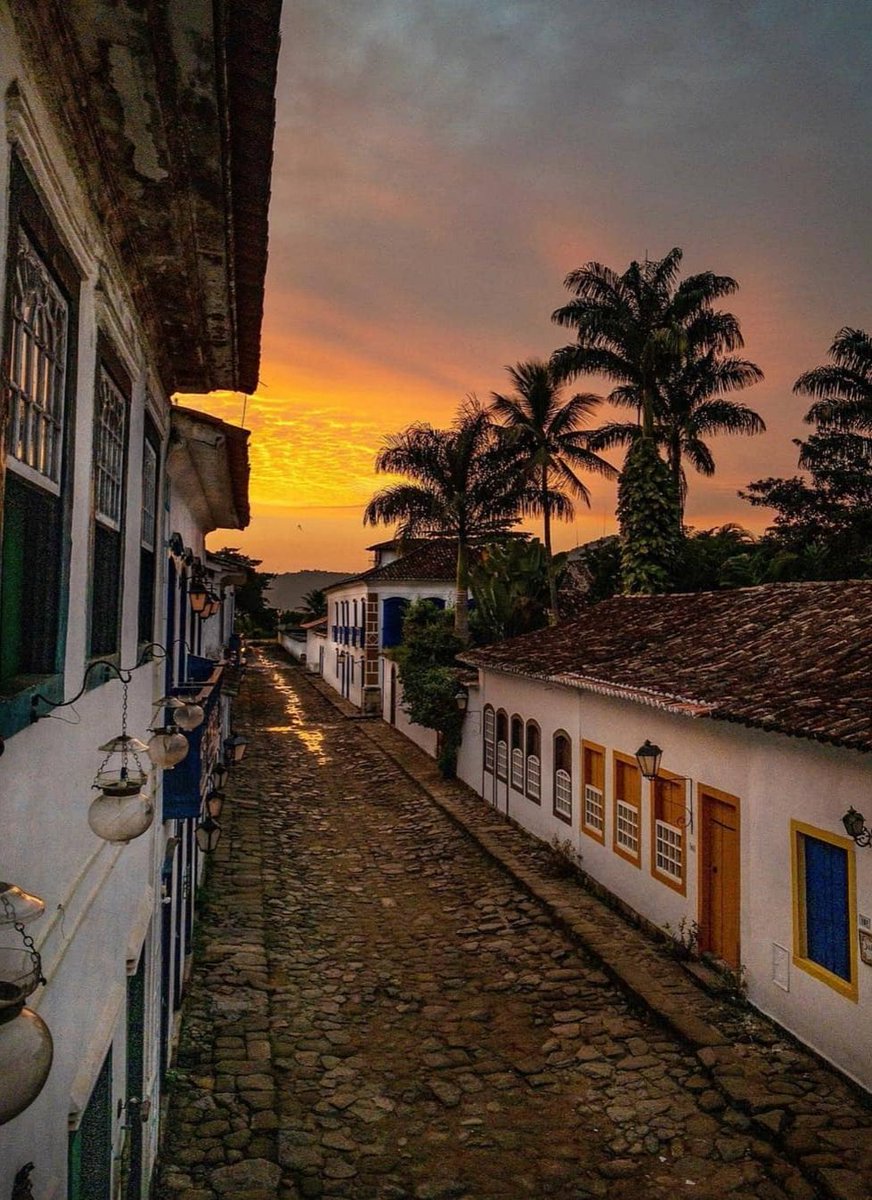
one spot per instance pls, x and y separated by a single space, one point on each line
739 841
109 309
365 619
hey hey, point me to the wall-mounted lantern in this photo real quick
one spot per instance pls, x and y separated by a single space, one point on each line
26 1047
856 827
235 747
648 757
219 776
214 803
461 699
208 834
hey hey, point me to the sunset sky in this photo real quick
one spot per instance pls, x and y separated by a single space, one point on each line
440 165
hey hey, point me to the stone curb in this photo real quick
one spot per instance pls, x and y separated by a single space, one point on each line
733 1076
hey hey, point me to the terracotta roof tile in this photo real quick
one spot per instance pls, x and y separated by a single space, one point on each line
428 562
794 658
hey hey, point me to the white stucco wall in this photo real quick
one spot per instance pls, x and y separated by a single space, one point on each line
295 646
776 779
102 901
338 656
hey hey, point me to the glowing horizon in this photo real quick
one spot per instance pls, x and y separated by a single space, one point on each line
427 205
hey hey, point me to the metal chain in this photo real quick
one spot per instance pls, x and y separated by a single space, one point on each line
35 956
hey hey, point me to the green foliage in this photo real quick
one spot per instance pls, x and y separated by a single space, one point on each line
464 483
667 350
254 614
428 674
600 565
510 587
648 515
546 429
823 523
315 603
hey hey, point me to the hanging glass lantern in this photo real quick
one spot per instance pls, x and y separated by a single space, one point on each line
18 907
26 1052
189 715
208 834
219 776
121 812
167 747
25 1042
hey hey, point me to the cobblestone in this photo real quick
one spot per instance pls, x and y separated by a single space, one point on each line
385 1011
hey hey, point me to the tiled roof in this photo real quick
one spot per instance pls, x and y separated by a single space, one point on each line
429 562
793 658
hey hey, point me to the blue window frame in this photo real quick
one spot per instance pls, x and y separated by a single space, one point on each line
825 908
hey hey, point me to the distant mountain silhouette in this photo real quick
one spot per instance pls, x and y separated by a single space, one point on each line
287 590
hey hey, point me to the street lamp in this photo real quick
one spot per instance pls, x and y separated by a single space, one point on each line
208 834
214 803
648 757
856 828
235 747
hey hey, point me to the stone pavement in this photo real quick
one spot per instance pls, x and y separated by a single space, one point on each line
380 1009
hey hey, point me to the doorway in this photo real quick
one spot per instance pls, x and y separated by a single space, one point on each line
719 861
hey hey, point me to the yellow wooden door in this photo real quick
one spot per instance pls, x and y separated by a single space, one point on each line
719 875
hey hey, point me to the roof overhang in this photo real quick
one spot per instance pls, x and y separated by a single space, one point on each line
168 111
207 462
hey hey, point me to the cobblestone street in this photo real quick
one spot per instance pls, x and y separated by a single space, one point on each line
378 1009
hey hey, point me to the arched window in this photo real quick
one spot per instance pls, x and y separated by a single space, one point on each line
534 762
502 745
437 600
563 777
489 733
517 754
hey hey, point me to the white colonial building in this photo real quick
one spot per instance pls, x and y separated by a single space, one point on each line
365 618
761 702
134 184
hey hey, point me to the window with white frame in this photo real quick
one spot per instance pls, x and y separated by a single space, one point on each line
627 798
148 530
517 764
534 762
667 848
502 745
113 390
593 808
41 301
37 366
489 736
111 421
562 777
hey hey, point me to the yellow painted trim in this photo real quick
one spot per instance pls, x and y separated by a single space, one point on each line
677 885
703 791
630 761
588 829
845 987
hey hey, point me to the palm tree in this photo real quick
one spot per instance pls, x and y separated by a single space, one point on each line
843 390
546 430
657 340
694 406
464 486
